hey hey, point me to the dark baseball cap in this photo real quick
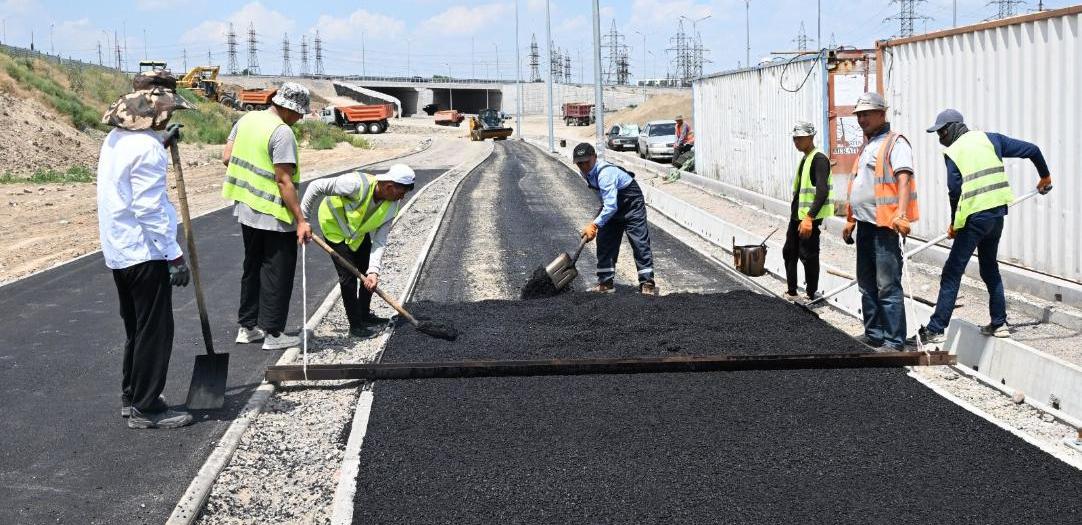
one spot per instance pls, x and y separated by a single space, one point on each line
947 116
582 152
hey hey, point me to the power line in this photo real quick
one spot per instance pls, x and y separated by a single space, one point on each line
185 59
1005 8
304 55
801 39
535 60
319 55
231 50
253 51
907 14
617 66
287 67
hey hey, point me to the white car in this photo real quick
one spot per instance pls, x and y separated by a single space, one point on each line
656 139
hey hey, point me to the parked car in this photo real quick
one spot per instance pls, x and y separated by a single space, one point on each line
623 136
656 139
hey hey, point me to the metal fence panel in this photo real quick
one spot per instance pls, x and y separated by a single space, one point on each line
744 119
1023 79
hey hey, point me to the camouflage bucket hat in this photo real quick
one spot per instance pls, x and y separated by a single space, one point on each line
144 109
293 97
151 79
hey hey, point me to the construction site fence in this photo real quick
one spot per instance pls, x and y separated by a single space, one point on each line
25 53
1020 76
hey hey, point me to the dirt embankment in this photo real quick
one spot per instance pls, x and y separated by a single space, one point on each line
35 138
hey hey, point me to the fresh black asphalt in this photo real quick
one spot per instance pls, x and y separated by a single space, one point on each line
66 455
829 446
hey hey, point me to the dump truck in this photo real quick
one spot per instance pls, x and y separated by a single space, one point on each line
578 113
488 124
359 118
252 99
449 117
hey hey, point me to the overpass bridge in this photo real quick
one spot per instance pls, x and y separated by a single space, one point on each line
410 94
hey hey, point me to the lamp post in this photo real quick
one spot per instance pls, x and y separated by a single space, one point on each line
518 78
747 28
548 47
643 79
450 88
599 97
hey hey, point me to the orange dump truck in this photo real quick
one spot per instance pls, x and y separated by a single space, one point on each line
250 99
578 113
360 118
449 117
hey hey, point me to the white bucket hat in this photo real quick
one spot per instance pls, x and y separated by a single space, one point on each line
399 173
293 97
803 129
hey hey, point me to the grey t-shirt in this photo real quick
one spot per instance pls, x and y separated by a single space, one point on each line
282 148
862 197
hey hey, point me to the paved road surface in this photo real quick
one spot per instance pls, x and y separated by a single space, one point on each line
67 456
854 446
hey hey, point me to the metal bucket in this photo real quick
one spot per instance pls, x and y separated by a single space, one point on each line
750 259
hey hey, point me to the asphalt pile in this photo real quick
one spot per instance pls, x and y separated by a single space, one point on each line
838 446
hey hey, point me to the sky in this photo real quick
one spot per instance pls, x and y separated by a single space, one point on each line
457 37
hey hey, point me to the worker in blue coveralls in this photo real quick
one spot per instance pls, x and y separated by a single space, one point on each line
623 211
979 195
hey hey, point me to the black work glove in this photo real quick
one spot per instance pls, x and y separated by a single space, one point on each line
179 275
172 135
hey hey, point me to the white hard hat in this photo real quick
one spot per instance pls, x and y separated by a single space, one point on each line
400 173
803 129
870 102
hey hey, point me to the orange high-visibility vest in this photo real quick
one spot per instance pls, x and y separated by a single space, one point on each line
886 186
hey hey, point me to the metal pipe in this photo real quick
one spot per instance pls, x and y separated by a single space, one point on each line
548 46
634 365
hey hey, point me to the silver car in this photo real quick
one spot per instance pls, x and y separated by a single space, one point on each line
622 136
656 139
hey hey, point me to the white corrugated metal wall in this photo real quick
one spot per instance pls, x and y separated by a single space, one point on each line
744 122
1023 80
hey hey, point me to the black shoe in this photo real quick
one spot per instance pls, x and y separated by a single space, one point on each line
363 332
125 404
373 319
166 419
927 337
868 341
995 330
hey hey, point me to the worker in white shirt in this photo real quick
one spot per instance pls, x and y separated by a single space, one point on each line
138 229
356 217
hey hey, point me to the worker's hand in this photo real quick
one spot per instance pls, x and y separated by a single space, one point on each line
179 275
806 225
589 232
172 135
901 225
950 231
1044 185
304 232
847 231
371 281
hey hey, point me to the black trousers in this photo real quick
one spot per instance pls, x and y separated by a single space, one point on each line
806 250
630 219
356 299
146 305
270 261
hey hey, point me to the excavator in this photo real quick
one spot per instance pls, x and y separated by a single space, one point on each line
488 124
204 80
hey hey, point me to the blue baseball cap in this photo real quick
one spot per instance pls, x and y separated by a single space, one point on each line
947 116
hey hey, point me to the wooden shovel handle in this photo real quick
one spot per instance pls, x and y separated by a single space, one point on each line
193 260
353 269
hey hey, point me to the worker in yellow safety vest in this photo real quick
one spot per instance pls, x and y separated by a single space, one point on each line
356 215
813 201
261 179
979 194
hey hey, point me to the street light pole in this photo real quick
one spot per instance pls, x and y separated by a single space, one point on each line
51 51
450 88
643 79
747 28
548 47
518 78
599 97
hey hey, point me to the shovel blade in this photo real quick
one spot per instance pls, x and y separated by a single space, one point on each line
209 376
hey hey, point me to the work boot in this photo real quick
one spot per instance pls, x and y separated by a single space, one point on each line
363 332
995 330
125 404
868 341
250 335
606 287
280 341
648 288
371 319
927 337
167 418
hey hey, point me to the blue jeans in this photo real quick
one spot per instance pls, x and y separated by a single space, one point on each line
879 276
982 232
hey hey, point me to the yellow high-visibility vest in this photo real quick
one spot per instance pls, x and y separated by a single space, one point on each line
805 189
250 177
346 219
984 179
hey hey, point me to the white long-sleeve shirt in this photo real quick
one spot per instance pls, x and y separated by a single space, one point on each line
136 221
347 185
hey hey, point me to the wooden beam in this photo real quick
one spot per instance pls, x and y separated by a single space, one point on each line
636 365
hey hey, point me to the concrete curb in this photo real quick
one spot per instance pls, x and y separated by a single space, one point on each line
195 496
342 506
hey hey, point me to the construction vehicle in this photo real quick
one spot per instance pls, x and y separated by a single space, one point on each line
578 113
359 118
488 124
151 65
253 99
204 81
449 117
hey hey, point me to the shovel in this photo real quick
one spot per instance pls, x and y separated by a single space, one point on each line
907 255
430 328
207 390
548 280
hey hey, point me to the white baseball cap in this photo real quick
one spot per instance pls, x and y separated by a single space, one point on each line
399 173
